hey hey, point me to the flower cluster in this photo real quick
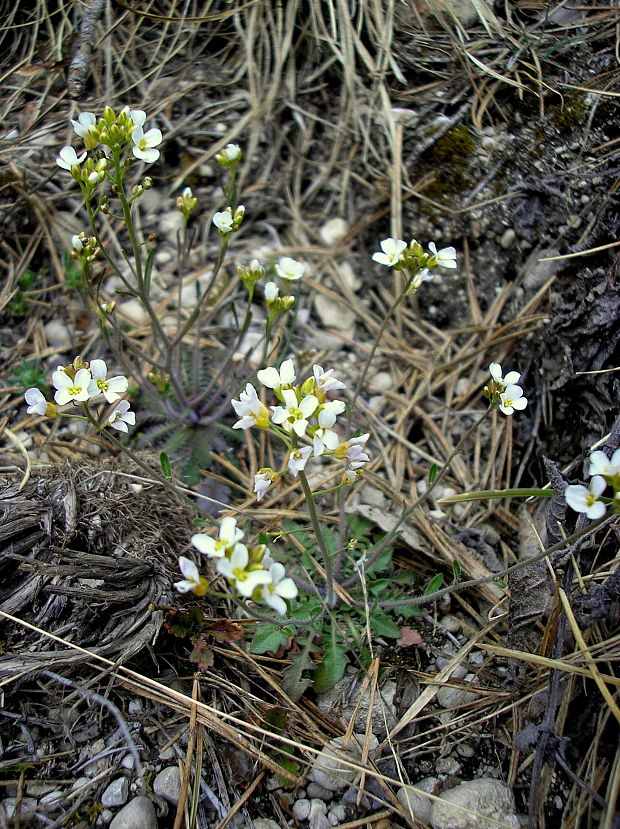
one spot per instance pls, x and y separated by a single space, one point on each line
304 414
80 382
605 472
504 392
251 570
412 259
227 221
114 131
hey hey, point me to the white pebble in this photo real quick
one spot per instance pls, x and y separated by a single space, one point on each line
57 334
333 230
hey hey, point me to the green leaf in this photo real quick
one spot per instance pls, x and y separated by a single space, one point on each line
383 625
432 473
332 667
378 586
384 560
269 637
165 465
435 584
294 683
456 572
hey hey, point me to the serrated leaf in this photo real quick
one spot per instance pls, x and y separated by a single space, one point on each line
202 655
223 630
294 683
268 637
378 586
183 622
383 625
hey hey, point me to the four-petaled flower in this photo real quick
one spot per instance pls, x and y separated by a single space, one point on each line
325 381
145 142
511 399
193 581
231 152
109 388
446 257
37 404
251 411
298 459
71 389
291 269
224 221
229 538
587 500
323 439
274 379
391 252
278 589
511 379
235 570
68 158
121 416
263 480
85 124
600 464
293 416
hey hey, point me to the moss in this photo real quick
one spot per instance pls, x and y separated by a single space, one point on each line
568 114
449 158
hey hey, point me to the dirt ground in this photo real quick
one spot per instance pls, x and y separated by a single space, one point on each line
491 127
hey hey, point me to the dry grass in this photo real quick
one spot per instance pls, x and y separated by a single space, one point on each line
316 92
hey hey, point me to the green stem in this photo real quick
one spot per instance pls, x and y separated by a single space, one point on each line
316 524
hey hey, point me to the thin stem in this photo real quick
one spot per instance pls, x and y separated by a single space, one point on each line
316 524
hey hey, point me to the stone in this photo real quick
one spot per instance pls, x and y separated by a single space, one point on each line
381 381
167 784
333 230
414 801
170 222
348 276
52 801
166 753
507 238
133 311
463 806
57 334
537 272
265 823
301 809
335 314
139 813
337 814
320 792
317 819
456 697
116 793
329 771
27 805
105 817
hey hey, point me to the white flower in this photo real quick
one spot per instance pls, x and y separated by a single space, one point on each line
37 404
68 158
353 451
232 152
228 539
144 142
298 459
85 123
193 580
68 389
234 569
392 252
511 399
600 464
509 380
586 500
109 388
138 116
294 414
325 380
274 379
77 244
328 413
350 476
251 411
223 221
280 588
288 268
121 416
446 257
263 480
324 439
271 292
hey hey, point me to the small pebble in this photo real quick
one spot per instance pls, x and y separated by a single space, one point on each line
507 239
57 334
381 381
318 791
301 809
139 813
333 230
167 784
485 796
116 793
28 804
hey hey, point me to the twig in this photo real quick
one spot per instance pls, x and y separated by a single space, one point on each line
83 50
